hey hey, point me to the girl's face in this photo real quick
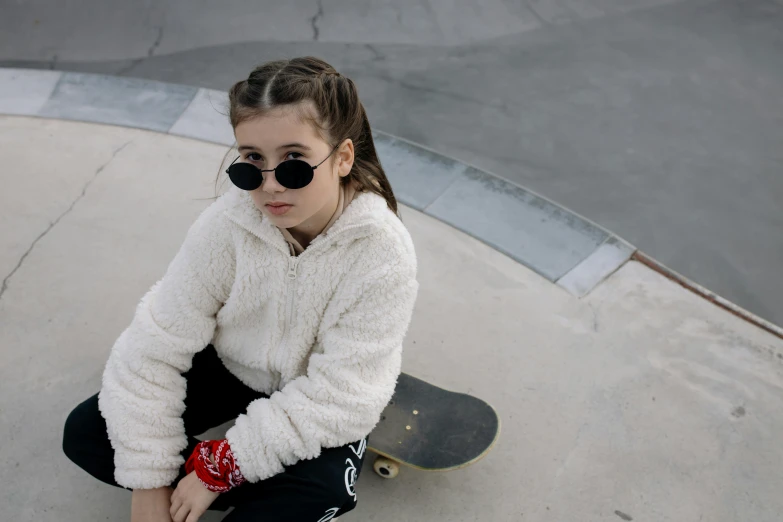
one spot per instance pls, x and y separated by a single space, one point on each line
280 135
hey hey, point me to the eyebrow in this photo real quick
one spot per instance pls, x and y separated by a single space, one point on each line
286 146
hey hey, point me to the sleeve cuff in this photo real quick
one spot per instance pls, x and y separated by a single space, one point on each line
145 478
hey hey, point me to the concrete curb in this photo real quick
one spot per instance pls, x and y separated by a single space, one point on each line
558 244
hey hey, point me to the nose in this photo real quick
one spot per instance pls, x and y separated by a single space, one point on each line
270 184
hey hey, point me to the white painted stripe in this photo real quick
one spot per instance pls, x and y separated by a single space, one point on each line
585 276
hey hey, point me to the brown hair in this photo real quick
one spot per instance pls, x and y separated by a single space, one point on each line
339 113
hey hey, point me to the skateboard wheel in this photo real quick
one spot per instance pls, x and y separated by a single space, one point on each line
386 468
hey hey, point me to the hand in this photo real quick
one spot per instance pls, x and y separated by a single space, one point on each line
191 499
151 505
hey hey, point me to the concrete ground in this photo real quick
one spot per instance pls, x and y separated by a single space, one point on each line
658 119
640 401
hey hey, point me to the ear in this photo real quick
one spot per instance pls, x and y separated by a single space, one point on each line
344 157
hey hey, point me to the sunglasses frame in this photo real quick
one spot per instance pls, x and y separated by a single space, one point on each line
261 171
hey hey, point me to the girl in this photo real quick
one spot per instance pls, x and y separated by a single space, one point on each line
300 282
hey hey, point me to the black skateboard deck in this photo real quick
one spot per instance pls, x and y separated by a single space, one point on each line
432 429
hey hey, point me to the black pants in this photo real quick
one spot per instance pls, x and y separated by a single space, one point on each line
310 491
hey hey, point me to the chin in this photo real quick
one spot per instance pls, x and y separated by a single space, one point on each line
283 221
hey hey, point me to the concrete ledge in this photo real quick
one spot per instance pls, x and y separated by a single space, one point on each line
709 295
25 92
117 101
546 238
206 118
558 244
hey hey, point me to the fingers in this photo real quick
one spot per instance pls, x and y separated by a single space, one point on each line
181 514
185 506
190 500
176 503
178 509
187 514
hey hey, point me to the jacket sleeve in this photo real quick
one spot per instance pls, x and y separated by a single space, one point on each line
351 376
143 392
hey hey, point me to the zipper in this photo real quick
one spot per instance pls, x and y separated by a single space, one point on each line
293 262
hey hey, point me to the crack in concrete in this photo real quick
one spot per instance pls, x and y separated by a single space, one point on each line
53 63
130 67
595 317
54 223
541 20
314 20
499 104
377 54
150 52
156 43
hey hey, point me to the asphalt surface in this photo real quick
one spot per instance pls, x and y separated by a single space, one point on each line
660 121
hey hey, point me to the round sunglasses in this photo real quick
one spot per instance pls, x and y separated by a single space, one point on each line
292 174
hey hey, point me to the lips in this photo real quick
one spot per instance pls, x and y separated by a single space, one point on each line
278 209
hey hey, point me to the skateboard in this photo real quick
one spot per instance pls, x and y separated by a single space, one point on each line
428 428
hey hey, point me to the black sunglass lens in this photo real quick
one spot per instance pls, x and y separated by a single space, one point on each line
245 176
294 174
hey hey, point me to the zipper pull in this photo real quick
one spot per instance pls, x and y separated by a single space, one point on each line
292 263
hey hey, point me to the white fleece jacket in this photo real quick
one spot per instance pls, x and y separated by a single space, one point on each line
320 333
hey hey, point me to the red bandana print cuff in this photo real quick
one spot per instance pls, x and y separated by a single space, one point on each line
221 476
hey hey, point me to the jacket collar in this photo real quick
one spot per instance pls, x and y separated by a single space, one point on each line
364 215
